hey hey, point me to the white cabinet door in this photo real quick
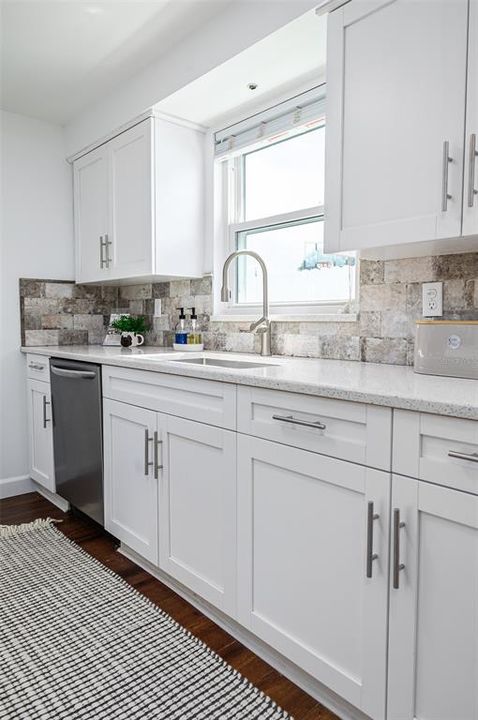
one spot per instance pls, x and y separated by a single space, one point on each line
396 79
198 508
130 486
41 434
433 644
130 240
90 174
470 196
303 543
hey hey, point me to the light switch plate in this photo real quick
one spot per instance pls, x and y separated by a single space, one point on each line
432 295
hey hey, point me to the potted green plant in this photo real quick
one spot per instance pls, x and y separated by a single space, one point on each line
132 329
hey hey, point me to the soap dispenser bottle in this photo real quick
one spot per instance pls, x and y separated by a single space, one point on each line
180 336
194 336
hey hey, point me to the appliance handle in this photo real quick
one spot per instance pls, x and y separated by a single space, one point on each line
78 374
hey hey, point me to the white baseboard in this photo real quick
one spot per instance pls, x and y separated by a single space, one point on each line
52 497
9 487
306 682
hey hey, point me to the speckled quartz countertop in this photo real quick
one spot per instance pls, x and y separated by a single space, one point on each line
387 385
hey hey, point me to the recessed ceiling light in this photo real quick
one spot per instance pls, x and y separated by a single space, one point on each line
252 86
94 9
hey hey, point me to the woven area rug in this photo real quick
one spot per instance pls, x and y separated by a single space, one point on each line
78 642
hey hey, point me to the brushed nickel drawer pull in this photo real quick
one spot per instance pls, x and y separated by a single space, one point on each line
463 456
36 366
371 556
316 424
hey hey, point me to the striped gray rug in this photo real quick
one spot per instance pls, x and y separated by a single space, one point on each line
77 643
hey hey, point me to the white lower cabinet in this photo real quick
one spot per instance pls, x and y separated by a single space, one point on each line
365 580
170 495
433 643
130 485
41 433
197 513
305 530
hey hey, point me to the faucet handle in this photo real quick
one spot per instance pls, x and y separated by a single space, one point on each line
256 326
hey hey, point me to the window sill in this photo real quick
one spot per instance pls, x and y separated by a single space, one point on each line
324 317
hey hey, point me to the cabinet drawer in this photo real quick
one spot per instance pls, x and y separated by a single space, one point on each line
205 401
38 367
342 429
439 449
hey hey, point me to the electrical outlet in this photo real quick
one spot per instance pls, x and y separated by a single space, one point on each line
432 294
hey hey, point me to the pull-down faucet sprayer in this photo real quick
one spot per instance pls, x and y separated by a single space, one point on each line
263 325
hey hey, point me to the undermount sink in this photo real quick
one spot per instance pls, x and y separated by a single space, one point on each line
217 362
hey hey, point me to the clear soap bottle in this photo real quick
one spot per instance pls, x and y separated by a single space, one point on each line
181 335
194 335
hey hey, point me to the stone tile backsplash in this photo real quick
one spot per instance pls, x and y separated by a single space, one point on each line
62 313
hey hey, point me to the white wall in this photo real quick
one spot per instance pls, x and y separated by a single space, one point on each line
37 242
239 25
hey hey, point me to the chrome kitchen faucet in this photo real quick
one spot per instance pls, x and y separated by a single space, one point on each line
263 325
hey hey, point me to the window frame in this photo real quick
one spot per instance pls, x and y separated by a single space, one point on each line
232 181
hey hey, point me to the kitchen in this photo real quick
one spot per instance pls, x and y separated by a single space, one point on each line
238 408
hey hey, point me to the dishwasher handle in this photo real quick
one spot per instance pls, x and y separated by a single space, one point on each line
78 374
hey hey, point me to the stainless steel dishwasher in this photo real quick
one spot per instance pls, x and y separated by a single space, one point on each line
78 434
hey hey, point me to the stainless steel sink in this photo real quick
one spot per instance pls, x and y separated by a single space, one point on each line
217 362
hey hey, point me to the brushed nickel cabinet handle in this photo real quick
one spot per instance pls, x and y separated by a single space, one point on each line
316 424
472 191
102 248
397 565
371 556
36 366
473 457
445 195
45 419
147 462
107 250
156 444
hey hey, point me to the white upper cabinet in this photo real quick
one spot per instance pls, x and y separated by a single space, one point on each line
396 98
91 214
139 204
470 197
131 222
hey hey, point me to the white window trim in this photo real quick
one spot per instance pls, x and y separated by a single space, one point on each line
228 174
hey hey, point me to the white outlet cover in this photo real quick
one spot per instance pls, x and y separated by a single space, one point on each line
432 296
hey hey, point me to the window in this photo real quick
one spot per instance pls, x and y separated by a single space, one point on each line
273 172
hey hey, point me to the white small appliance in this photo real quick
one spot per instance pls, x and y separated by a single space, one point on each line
447 347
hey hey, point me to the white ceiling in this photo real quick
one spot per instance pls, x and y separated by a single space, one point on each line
286 61
58 57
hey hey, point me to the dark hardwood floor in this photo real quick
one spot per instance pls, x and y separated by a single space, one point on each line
25 508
